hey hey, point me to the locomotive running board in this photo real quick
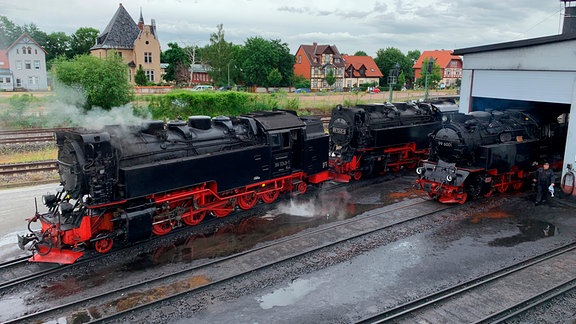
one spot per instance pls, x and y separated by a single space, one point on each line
57 256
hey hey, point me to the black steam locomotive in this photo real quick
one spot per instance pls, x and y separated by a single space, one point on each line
374 138
125 183
475 154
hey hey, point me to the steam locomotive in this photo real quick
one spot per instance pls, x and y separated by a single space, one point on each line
371 139
126 183
475 154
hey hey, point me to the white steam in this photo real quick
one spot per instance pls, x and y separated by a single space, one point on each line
65 110
333 205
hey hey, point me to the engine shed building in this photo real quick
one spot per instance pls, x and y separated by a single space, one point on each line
536 74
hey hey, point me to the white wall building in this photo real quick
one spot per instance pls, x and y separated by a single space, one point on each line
27 61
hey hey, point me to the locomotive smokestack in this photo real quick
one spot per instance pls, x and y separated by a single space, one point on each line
569 26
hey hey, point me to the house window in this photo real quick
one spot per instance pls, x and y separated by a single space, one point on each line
23 49
36 51
17 51
18 83
8 80
37 64
453 64
28 65
299 58
147 57
19 65
337 60
29 50
150 75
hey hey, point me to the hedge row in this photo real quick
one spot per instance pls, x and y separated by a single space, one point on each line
185 103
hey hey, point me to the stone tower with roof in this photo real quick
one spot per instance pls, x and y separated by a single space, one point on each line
137 44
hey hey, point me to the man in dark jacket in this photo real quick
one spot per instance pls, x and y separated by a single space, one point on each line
544 180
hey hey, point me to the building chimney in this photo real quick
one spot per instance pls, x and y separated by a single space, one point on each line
569 26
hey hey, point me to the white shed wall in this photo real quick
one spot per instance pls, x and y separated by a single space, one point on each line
542 73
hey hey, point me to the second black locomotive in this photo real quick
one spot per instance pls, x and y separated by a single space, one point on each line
475 154
373 138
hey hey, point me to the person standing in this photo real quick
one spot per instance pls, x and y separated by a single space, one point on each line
544 180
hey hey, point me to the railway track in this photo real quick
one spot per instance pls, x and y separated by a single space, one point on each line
30 167
24 136
212 272
494 297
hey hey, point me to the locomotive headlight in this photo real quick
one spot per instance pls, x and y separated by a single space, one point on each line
449 178
419 170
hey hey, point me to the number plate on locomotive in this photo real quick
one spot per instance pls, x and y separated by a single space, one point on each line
445 144
338 130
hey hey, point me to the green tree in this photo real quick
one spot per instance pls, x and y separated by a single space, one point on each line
260 56
57 44
414 55
219 56
178 64
274 77
300 81
386 61
103 81
140 77
360 53
9 32
330 77
82 40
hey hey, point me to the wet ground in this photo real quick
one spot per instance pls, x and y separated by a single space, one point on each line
360 277
418 259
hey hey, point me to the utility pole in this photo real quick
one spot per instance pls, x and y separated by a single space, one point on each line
192 65
429 68
393 78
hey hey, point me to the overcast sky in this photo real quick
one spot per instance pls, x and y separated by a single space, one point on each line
350 25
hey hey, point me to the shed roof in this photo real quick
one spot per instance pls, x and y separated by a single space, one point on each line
517 44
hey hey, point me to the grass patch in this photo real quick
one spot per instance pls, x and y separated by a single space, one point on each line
24 157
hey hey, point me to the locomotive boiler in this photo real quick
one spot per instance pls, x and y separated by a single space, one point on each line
373 138
126 183
473 155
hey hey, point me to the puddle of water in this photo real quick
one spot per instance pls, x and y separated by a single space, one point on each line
289 295
530 230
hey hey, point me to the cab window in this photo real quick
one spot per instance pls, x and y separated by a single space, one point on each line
280 140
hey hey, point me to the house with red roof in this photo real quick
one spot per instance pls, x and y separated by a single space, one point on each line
359 70
450 66
314 62
23 66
